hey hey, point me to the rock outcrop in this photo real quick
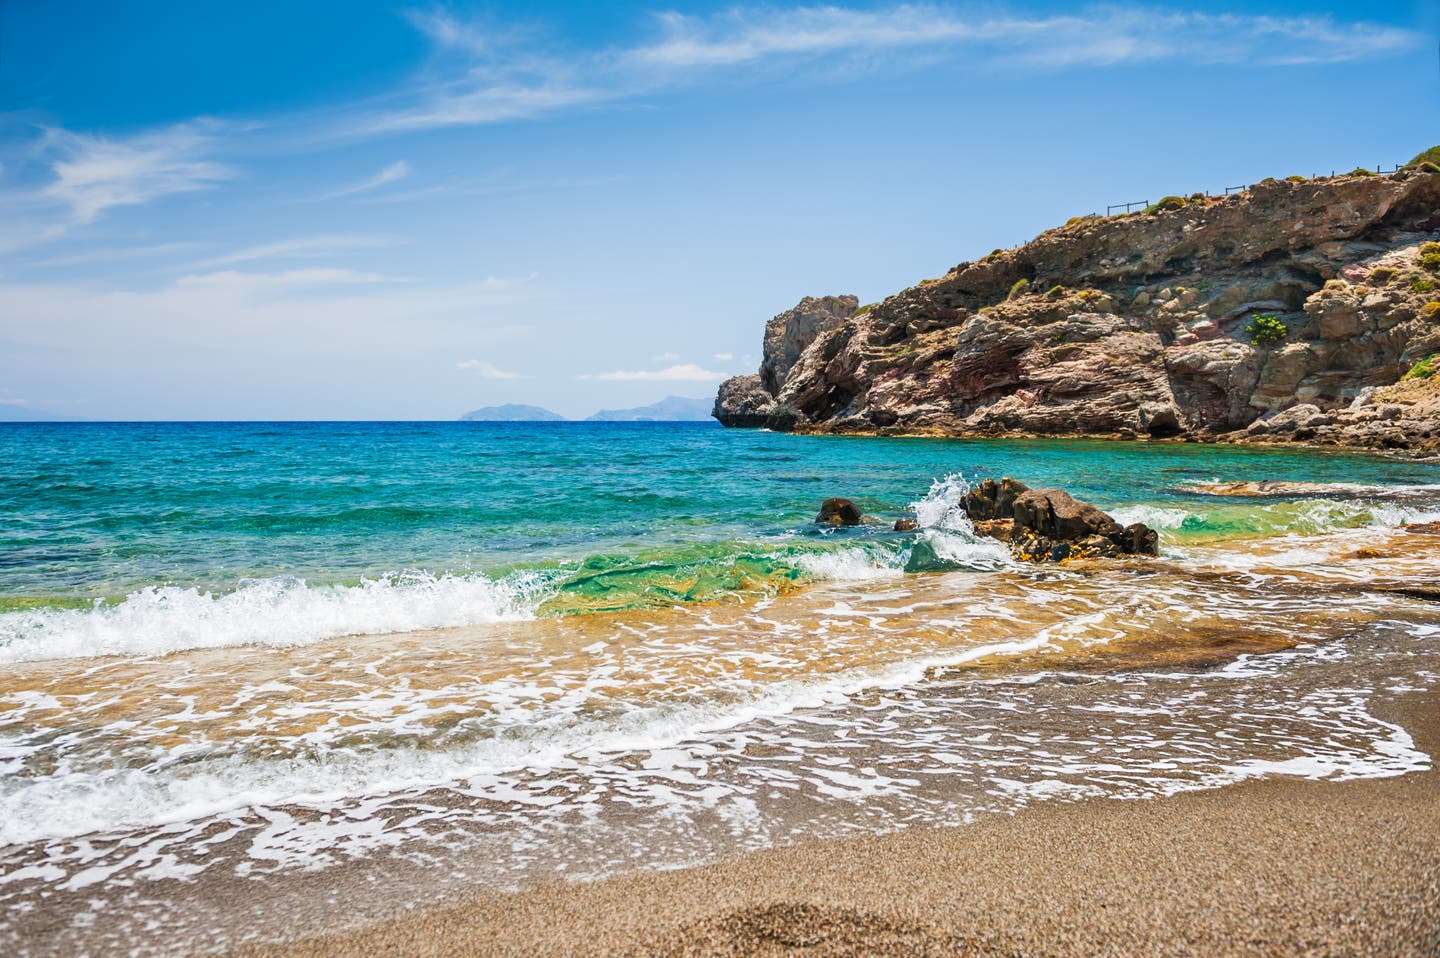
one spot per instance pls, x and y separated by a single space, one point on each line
1278 314
1050 525
750 400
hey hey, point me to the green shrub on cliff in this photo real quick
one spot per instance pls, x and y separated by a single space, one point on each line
1382 274
1430 261
864 309
1361 171
1424 369
1265 328
1430 156
1430 310
1019 288
1167 203
1422 285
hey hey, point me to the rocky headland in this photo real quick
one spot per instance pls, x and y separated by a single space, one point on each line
1298 310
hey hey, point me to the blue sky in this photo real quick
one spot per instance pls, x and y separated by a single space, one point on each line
352 211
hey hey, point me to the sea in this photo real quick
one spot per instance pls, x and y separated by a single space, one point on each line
249 667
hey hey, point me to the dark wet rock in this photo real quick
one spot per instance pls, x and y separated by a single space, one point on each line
1050 525
906 525
1055 514
839 512
994 500
1139 539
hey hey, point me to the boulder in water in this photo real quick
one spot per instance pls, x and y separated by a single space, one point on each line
839 512
906 525
1050 525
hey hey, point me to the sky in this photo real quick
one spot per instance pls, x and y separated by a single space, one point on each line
349 210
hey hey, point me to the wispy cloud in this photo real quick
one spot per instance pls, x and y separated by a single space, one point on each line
247 284
299 246
486 370
393 173
1095 36
259 312
493 75
725 357
93 174
682 373
113 254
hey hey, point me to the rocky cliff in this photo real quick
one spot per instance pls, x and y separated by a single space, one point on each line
1283 312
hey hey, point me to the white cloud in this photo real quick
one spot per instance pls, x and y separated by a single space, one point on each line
1094 36
114 254
683 373
299 246
321 315
725 357
393 173
287 281
486 370
505 74
93 173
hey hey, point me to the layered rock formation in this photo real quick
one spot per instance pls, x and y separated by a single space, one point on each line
750 400
1277 314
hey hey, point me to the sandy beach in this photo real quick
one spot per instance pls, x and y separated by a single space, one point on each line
1279 866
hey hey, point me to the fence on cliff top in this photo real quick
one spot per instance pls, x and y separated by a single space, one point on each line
1124 208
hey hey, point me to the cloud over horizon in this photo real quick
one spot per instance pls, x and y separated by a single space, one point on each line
681 373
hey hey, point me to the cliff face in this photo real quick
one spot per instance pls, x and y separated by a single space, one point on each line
1211 318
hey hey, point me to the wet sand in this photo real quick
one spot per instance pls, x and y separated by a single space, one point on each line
1279 866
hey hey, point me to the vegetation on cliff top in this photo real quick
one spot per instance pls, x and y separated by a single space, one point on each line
1431 156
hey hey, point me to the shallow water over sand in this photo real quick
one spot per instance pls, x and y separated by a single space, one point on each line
587 745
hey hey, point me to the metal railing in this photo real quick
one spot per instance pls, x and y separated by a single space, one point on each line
1233 190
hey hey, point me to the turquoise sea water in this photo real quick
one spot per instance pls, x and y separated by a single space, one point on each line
100 510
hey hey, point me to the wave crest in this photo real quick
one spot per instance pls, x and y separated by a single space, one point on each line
282 611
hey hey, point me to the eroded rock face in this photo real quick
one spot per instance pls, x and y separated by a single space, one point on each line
1141 326
750 400
790 333
1043 525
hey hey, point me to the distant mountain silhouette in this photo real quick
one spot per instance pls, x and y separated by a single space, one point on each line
511 412
669 409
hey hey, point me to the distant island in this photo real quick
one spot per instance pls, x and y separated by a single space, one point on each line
669 409
511 412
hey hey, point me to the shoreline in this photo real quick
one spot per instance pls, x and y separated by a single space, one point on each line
1223 439
1278 865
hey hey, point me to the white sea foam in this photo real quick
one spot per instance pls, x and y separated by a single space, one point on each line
74 803
850 565
283 611
943 507
1156 517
